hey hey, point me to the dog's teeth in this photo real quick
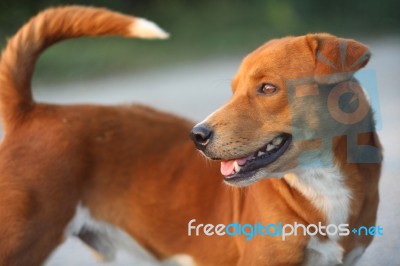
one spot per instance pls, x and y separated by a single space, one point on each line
237 167
260 153
270 147
277 141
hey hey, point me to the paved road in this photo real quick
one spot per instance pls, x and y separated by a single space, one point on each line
196 90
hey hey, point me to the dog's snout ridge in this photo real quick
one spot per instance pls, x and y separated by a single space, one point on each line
201 136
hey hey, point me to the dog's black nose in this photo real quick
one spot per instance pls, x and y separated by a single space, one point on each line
201 136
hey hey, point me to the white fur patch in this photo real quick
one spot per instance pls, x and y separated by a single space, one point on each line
323 253
146 29
352 258
325 189
115 238
181 260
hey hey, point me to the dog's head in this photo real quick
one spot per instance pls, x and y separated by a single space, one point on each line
252 133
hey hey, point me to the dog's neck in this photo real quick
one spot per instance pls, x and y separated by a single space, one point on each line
325 189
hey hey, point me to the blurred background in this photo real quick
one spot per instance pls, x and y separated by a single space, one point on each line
199 29
190 73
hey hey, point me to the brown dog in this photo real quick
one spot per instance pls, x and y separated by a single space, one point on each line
106 174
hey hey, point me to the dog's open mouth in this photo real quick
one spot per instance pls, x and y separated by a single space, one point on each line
241 168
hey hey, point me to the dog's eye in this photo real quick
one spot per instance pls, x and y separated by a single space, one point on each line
268 89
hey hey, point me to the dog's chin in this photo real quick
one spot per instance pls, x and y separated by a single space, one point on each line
256 167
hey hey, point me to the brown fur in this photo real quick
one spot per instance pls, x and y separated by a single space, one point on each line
135 167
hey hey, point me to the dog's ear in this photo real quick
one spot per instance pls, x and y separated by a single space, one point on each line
336 59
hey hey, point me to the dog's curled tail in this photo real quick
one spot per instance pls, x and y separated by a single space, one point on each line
48 27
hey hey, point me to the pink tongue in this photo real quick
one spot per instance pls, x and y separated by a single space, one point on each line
227 167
